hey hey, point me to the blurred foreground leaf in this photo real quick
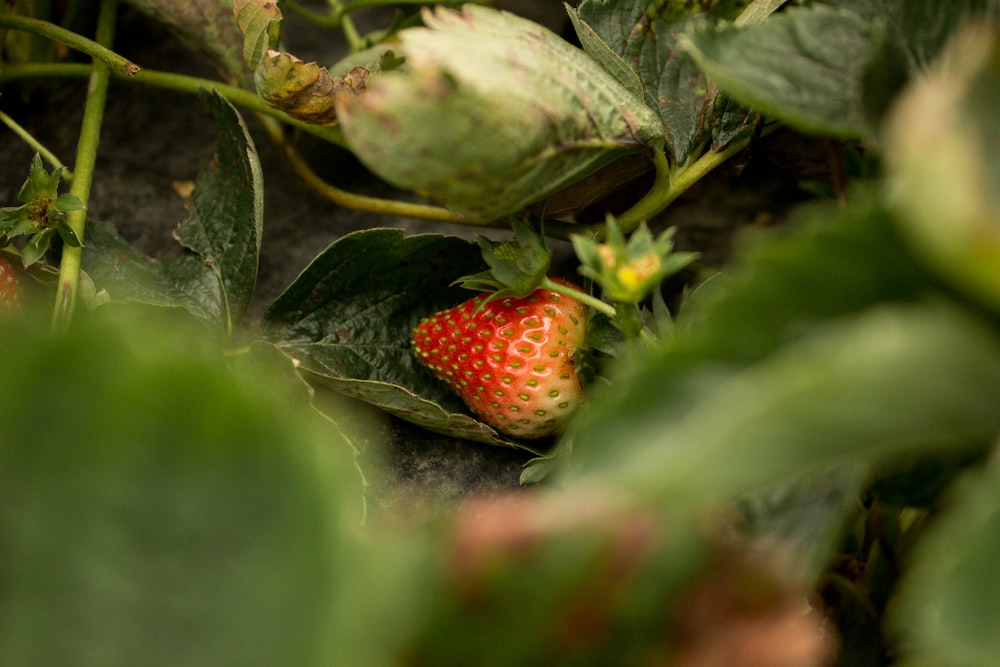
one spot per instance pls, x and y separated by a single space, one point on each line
781 370
944 171
156 510
948 610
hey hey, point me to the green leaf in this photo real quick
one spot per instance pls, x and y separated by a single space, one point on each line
521 115
757 11
599 50
67 233
35 247
517 267
803 67
128 275
950 600
348 319
225 225
67 202
647 41
215 276
170 515
41 185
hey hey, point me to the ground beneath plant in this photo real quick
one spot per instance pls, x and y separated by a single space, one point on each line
156 141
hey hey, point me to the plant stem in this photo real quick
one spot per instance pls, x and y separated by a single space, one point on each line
36 145
348 7
362 202
94 49
582 297
330 21
86 157
667 187
354 40
187 84
250 100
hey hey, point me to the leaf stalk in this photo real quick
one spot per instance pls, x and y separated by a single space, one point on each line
93 48
86 159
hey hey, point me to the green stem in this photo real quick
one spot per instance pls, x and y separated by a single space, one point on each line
667 187
354 39
582 297
330 21
36 145
94 49
348 7
247 99
361 202
86 158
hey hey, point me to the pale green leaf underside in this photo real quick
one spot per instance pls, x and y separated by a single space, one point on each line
520 115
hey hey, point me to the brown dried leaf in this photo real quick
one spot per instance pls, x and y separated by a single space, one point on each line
305 90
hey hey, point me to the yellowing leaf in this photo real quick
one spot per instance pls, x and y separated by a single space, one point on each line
304 90
259 21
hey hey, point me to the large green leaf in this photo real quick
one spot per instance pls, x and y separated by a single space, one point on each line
921 28
807 517
518 116
348 319
950 603
891 381
639 43
803 66
155 509
214 278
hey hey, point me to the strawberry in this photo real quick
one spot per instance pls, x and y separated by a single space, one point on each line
10 286
513 362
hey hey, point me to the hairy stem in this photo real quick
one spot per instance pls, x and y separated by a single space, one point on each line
360 202
86 158
247 99
99 52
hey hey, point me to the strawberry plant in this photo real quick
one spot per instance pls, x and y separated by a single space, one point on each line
784 458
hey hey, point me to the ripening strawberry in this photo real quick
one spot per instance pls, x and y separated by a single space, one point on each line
513 362
10 286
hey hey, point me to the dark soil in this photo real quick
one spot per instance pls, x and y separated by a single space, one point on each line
155 139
